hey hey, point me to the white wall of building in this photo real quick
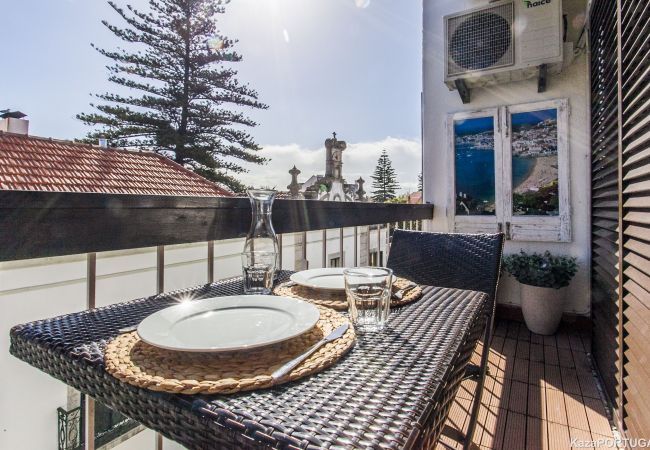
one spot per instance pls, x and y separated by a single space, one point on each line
47 287
438 101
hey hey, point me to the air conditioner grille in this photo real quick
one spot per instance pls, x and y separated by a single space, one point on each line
480 40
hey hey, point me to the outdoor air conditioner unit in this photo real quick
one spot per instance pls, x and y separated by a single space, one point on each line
503 41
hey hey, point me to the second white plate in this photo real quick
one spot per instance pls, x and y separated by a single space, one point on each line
224 324
330 279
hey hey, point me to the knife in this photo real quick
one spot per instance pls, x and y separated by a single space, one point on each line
400 294
290 365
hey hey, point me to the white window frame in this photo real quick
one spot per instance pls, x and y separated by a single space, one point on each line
517 228
478 223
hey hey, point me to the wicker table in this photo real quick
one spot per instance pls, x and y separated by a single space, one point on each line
393 390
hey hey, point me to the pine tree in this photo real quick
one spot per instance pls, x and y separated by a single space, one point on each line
384 179
185 100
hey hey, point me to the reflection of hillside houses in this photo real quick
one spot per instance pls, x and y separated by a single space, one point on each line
537 140
478 141
332 185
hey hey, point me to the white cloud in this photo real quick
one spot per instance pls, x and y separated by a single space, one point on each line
359 160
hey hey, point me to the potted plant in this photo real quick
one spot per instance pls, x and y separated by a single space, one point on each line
543 277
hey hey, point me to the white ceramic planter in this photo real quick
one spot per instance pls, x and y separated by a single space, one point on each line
542 308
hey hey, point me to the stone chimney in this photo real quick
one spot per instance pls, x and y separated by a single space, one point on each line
13 122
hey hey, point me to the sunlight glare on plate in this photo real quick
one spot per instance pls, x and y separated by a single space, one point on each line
285 33
362 3
184 298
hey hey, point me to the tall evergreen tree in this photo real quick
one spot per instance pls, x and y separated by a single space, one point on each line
384 179
185 100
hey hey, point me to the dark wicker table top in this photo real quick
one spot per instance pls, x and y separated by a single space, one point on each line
383 394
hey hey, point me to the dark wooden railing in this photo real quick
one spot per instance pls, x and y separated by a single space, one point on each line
41 224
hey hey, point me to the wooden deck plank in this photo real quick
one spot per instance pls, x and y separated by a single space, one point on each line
558 437
513 330
536 338
588 385
536 373
501 392
509 347
536 401
494 428
576 342
562 339
524 333
598 422
582 361
535 434
537 352
576 413
570 383
523 349
580 435
520 370
565 357
518 397
555 407
550 341
550 355
540 393
552 377
515 433
501 328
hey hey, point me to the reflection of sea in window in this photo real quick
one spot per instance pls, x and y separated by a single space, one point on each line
534 163
474 153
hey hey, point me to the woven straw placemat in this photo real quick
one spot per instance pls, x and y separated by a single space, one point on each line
337 300
140 364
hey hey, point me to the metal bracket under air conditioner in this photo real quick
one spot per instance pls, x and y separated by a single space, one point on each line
463 90
541 78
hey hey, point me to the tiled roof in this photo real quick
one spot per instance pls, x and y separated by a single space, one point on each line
30 163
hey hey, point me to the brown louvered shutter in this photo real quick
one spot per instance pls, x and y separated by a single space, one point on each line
605 192
620 73
635 103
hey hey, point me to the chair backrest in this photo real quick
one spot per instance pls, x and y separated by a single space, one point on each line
462 261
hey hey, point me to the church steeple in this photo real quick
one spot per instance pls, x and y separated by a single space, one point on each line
334 157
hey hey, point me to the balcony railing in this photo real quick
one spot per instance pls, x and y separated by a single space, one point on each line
44 224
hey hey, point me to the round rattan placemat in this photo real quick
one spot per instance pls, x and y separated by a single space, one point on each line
140 364
337 300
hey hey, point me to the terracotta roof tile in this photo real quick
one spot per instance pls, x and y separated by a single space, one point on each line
40 164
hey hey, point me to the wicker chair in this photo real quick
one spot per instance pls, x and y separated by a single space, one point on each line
462 261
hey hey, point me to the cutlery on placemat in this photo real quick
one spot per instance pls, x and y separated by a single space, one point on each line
400 294
127 329
289 366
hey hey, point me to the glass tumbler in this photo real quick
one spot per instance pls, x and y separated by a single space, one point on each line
368 291
258 269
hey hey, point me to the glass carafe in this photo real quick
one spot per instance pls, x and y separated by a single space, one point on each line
261 239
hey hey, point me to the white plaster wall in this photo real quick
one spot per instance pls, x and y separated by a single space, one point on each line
438 101
30 291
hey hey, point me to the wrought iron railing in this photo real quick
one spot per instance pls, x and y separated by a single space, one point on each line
70 428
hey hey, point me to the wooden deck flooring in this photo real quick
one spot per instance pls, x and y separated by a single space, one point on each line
540 394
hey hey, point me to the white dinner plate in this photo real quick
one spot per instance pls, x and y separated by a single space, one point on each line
330 279
224 324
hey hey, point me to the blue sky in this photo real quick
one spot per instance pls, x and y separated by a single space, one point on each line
473 126
533 117
351 66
